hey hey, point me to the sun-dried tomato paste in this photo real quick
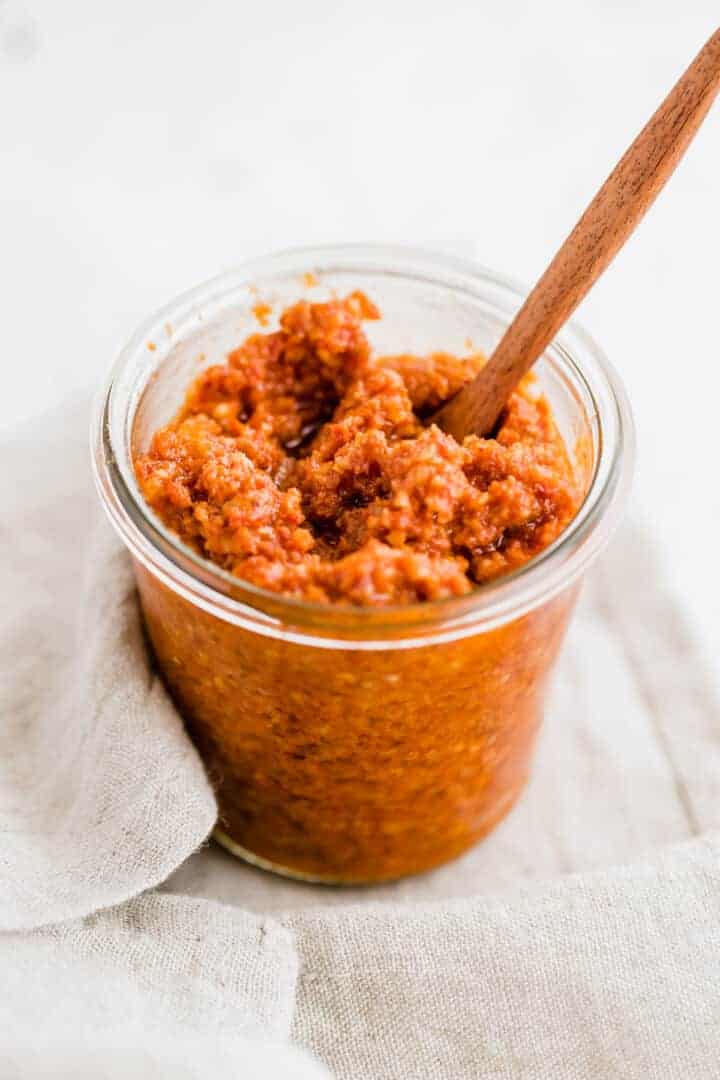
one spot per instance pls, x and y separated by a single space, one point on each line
303 465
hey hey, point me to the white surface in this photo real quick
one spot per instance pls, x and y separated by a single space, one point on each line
148 145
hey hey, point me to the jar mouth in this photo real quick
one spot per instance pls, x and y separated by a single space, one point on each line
218 592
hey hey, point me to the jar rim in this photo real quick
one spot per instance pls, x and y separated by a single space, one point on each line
216 591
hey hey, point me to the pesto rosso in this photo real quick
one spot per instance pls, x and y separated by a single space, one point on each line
303 465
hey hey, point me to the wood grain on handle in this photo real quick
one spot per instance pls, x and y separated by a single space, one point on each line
608 221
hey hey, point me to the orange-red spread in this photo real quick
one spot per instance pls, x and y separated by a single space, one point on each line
303 465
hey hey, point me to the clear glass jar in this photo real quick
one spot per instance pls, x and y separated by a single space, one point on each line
351 744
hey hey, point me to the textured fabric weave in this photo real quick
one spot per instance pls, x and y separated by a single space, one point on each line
158 987
101 793
603 975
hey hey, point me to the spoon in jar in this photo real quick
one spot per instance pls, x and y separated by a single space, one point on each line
609 220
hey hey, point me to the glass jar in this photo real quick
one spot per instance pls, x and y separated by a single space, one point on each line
346 744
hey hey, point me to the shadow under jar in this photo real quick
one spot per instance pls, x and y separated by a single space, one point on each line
354 745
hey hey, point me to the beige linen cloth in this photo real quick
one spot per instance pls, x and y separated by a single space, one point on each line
501 965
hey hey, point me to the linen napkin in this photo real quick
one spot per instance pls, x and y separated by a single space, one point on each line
602 974
608 974
158 987
101 793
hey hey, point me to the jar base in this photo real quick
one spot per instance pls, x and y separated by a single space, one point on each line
258 861
500 811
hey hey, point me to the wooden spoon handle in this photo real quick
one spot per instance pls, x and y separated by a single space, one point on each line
608 221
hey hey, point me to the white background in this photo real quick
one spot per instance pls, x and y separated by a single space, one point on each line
145 146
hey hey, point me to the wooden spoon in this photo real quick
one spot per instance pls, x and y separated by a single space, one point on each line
611 217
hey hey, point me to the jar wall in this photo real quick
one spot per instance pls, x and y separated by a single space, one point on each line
356 766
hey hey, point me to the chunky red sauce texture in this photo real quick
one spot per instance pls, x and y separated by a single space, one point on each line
304 465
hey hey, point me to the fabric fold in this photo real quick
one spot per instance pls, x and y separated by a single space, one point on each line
158 987
605 974
101 793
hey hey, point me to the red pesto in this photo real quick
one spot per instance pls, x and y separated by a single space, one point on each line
302 465
262 312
